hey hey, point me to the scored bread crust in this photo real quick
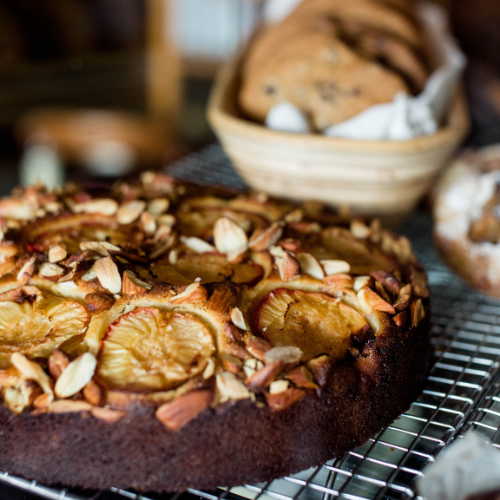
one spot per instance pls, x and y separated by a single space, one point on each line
248 408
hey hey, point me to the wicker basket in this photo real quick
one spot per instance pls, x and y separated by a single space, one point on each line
382 178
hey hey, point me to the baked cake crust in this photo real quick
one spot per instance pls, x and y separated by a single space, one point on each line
216 340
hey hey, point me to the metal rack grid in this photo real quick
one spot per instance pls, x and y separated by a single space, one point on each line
463 389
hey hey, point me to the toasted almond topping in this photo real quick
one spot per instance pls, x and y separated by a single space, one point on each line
238 319
277 251
104 206
360 282
402 303
158 206
320 368
417 312
50 271
310 265
92 393
175 414
108 275
16 399
209 369
285 399
16 209
76 376
263 377
107 414
388 281
230 387
99 247
68 406
148 223
130 211
401 319
131 284
167 219
162 232
57 253
289 355
172 256
370 301
288 267
229 237
258 347
31 371
301 377
58 362
278 386
403 251
262 239
405 290
359 230
43 401
335 266
230 363
197 245
193 293
25 274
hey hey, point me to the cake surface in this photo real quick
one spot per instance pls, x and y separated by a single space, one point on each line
161 336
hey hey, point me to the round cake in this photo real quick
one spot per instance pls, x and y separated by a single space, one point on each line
467 218
161 336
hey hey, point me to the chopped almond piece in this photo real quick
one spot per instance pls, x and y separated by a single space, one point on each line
130 211
26 272
131 284
333 267
288 267
177 413
258 347
302 377
360 230
57 253
229 237
238 319
370 301
58 362
310 265
263 377
285 399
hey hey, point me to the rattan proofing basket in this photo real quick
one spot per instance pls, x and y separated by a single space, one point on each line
383 178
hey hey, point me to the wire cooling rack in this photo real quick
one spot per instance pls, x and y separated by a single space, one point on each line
462 392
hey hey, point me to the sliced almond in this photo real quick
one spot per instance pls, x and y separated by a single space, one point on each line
57 253
99 247
15 399
310 265
107 414
130 211
258 347
405 290
335 266
229 387
278 386
289 355
229 237
68 406
162 232
360 230
104 206
277 251
209 369
148 223
388 281
263 377
231 363
238 319
262 239
401 319
132 285
288 267
285 399
197 245
301 377
360 282
175 414
402 303
43 401
193 293
26 272
370 301
108 275
92 393
76 376
58 362
31 371
158 206
172 256
167 219
417 312
51 271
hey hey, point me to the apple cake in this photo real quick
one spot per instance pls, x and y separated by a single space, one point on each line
161 336
467 219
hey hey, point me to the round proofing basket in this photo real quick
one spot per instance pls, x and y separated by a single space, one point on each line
376 178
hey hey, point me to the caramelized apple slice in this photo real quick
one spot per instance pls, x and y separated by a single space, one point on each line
150 350
314 322
37 328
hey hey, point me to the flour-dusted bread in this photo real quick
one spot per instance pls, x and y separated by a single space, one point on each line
162 336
